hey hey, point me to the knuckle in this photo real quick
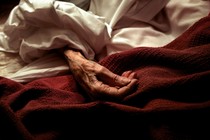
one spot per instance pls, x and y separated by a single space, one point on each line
100 69
116 78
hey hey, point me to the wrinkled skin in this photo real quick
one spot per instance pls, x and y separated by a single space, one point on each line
98 81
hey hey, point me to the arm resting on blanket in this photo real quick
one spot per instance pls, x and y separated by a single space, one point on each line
97 80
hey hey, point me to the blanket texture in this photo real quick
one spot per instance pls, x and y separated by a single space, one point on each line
171 102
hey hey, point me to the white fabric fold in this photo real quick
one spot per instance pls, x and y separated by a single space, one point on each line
35 28
49 65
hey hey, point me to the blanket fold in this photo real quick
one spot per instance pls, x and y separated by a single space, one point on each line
171 102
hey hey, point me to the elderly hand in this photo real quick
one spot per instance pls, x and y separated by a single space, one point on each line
97 80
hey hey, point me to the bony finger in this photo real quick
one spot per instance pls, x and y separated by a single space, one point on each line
123 91
120 92
121 81
132 75
103 91
126 73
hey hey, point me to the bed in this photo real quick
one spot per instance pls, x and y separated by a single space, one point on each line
171 101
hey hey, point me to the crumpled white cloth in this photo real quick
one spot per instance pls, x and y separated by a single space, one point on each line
35 28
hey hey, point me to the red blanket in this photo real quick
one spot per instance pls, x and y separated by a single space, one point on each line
171 102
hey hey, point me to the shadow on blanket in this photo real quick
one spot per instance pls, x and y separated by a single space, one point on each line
171 102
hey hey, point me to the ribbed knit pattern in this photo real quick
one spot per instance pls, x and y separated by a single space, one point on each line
171 101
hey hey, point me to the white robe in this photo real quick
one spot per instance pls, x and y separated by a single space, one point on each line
97 28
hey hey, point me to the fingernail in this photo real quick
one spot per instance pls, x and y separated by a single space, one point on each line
126 80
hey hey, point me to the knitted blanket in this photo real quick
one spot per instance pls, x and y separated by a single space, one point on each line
171 101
